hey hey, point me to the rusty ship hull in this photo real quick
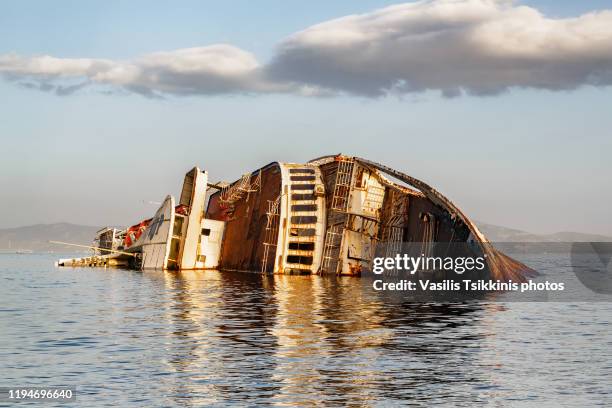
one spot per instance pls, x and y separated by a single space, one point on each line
332 215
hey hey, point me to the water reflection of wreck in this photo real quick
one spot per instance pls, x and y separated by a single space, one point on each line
332 215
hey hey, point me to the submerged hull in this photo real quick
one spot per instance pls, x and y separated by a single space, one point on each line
332 215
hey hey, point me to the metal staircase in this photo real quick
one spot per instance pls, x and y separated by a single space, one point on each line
331 250
271 237
338 218
342 186
234 192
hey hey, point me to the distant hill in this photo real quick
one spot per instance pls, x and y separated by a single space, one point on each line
496 233
36 237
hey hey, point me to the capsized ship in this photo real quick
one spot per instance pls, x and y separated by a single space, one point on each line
331 215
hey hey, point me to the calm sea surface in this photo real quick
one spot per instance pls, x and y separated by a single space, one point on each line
145 339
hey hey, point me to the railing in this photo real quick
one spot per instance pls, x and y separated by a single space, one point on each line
271 236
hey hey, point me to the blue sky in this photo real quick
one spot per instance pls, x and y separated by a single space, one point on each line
123 29
528 158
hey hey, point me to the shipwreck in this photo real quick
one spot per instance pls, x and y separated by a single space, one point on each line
331 215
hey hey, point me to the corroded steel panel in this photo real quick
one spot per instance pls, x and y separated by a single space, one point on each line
246 220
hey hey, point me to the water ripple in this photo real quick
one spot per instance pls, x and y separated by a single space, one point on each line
128 338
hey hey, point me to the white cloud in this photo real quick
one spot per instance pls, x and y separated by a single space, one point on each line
207 70
453 46
478 46
50 67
